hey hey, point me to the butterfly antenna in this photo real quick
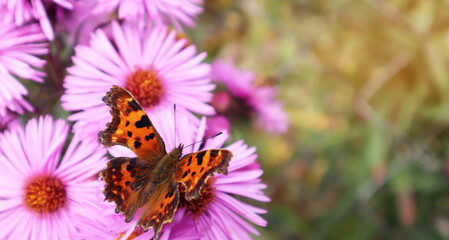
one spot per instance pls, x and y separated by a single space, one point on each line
174 114
218 134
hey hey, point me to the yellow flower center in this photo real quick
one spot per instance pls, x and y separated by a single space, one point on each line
146 87
44 194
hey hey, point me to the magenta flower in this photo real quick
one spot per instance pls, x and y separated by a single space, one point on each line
216 214
259 100
22 11
271 114
42 188
240 83
15 11
80 21
19 48
9 121
158 11
216 124
156 67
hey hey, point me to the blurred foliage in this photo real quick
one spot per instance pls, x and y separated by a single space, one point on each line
366 86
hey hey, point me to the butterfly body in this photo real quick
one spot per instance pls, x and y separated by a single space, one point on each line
150 180
167 165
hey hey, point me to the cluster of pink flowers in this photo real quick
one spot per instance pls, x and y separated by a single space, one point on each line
241 90
49 184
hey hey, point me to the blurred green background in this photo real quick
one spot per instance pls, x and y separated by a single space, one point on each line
366 86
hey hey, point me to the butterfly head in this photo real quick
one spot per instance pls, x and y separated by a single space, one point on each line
177 152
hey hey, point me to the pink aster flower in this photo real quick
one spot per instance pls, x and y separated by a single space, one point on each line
216 124
259 100
9 121
158 11
42 188
239 82
217 214
272 116
22 11
156 67
19 48
80 21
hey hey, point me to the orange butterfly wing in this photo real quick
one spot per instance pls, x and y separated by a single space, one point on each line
131 127
160 208
194 169
126 180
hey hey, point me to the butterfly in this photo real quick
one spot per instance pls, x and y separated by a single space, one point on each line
150 180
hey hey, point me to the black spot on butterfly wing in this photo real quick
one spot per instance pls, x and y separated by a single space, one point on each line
199 157
143 122
149 136
214 153
189 161
129 167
